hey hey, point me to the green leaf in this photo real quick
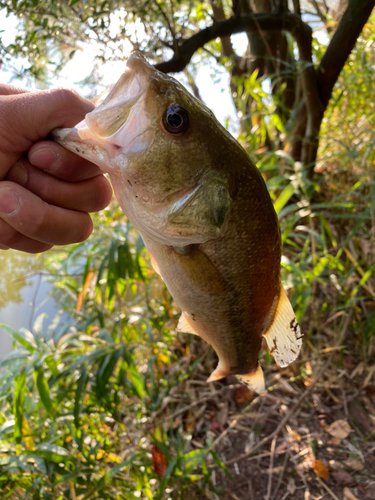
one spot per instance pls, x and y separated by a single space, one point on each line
19 403
27 339
51 452
192 459
82 381
284 197
166 477
44 393
138 381
275 119
221 465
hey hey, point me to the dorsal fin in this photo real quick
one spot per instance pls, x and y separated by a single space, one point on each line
284 338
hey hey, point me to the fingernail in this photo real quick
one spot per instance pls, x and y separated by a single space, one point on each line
9 201
45 159
18 173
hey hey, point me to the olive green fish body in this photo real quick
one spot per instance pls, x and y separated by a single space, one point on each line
203 211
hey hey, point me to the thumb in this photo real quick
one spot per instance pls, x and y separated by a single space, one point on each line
28 117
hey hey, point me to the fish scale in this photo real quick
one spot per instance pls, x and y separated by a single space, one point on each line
203 211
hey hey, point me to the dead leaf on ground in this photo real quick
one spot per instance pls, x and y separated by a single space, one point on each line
190 421
360 417
349 495
243 394
291 488
160 462
339 430
369 492
222 415
348 362
343 478
354 463
321 470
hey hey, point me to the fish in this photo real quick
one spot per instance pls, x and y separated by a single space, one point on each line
203 211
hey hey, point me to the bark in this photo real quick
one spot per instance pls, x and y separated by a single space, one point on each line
341 45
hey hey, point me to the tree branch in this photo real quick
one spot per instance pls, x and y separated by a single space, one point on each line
219 15
341 45
287 21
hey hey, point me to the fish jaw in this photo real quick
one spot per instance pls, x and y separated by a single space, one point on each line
178 202
119 126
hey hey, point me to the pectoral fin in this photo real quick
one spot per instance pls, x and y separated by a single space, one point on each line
203 213
284 338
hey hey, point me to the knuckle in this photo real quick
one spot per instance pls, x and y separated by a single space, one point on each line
69 106
64 95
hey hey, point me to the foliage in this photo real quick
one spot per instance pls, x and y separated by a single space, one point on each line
88 409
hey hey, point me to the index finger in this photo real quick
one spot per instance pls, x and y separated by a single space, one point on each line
28 117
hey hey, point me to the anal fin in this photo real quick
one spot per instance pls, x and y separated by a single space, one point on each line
284 338
254 381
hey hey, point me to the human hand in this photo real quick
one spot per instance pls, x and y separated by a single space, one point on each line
44 199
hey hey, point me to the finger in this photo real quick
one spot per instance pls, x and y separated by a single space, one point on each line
58 161
6 89
29 215
18 241
90 195
28 117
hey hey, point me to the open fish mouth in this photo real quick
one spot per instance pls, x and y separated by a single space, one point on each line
120 122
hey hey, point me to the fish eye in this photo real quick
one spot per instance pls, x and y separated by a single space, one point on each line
175 119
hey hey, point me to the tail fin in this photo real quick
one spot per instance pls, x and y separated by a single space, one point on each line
284 338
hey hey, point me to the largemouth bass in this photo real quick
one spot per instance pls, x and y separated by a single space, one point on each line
203 211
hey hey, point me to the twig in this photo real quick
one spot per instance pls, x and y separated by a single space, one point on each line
303 396
188 407
223 434
328 490
235 497
280 477
345 403
272 451
251 492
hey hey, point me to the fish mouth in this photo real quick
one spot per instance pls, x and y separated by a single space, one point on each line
119 123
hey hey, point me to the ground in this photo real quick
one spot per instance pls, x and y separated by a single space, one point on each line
311 436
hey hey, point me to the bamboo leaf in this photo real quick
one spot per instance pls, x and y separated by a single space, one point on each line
44 392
